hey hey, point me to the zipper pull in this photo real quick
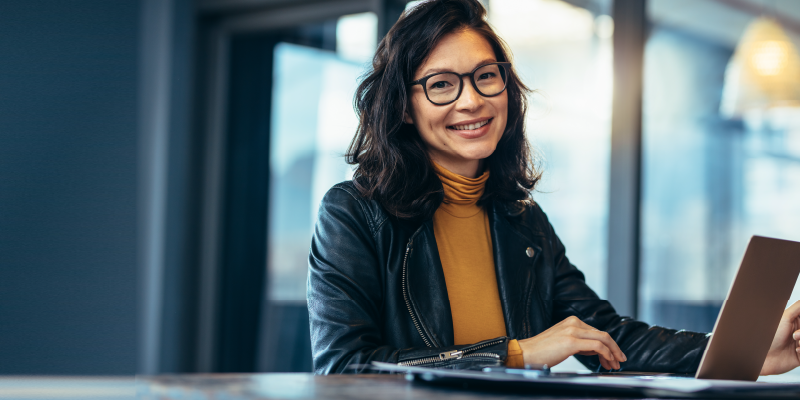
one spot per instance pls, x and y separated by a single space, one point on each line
449 355
408 246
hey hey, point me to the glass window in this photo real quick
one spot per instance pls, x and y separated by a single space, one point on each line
312 125
709 182
564 53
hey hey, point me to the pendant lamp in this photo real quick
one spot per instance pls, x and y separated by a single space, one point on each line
763 73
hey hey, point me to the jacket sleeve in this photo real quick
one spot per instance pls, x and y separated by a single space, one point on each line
345 294
648 348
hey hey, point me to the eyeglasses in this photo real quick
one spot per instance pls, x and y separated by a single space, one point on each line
443 88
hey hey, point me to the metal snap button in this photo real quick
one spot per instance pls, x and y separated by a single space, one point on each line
529 251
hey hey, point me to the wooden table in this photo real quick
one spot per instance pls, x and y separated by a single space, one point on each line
235 387
242 386
304 386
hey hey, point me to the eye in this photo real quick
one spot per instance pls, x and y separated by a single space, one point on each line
440 85
487 75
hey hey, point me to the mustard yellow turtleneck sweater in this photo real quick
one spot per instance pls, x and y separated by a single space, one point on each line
464 241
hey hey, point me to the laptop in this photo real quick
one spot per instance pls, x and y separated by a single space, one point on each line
740 341
752 310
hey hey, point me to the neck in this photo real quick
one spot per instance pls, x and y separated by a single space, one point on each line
469 169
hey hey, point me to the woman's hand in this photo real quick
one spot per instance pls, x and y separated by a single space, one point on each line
569 337
783 354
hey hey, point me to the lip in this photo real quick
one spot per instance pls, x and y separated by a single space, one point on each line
475 133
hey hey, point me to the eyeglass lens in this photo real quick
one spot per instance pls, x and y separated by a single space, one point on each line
489 79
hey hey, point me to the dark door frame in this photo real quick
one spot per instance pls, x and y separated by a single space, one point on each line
240 245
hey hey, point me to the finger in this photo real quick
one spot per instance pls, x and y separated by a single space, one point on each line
793 311
607 340
605 363
796 335
599 348
603 337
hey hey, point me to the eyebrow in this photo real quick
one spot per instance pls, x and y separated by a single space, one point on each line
430 71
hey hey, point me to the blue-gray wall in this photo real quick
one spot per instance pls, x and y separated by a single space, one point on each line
68 146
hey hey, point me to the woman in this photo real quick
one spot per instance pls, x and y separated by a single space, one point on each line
434 255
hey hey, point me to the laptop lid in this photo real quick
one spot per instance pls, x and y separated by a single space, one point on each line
750 314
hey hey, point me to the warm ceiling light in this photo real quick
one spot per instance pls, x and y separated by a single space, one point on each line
764 71
770 57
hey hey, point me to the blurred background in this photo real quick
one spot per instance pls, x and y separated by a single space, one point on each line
161 163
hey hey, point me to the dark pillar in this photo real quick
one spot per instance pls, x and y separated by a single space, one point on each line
242 270
626 149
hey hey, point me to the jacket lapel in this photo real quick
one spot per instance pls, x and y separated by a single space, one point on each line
514 266
428 289
514 269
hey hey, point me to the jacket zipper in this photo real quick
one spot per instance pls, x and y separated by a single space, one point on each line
457 354
405 294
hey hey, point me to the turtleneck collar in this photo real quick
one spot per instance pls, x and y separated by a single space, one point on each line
461 194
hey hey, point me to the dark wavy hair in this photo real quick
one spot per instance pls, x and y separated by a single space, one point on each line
393 166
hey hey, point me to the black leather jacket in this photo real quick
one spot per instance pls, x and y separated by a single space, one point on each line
376 292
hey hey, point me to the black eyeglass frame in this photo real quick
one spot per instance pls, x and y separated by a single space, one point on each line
424 80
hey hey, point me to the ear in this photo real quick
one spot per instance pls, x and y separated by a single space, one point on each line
407 118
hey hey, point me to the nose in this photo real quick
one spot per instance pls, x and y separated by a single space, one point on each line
470 99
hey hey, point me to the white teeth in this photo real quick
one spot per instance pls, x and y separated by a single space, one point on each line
470 127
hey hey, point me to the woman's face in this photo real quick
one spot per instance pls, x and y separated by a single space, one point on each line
445 129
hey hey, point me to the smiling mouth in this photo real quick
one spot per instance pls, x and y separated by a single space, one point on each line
470 127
